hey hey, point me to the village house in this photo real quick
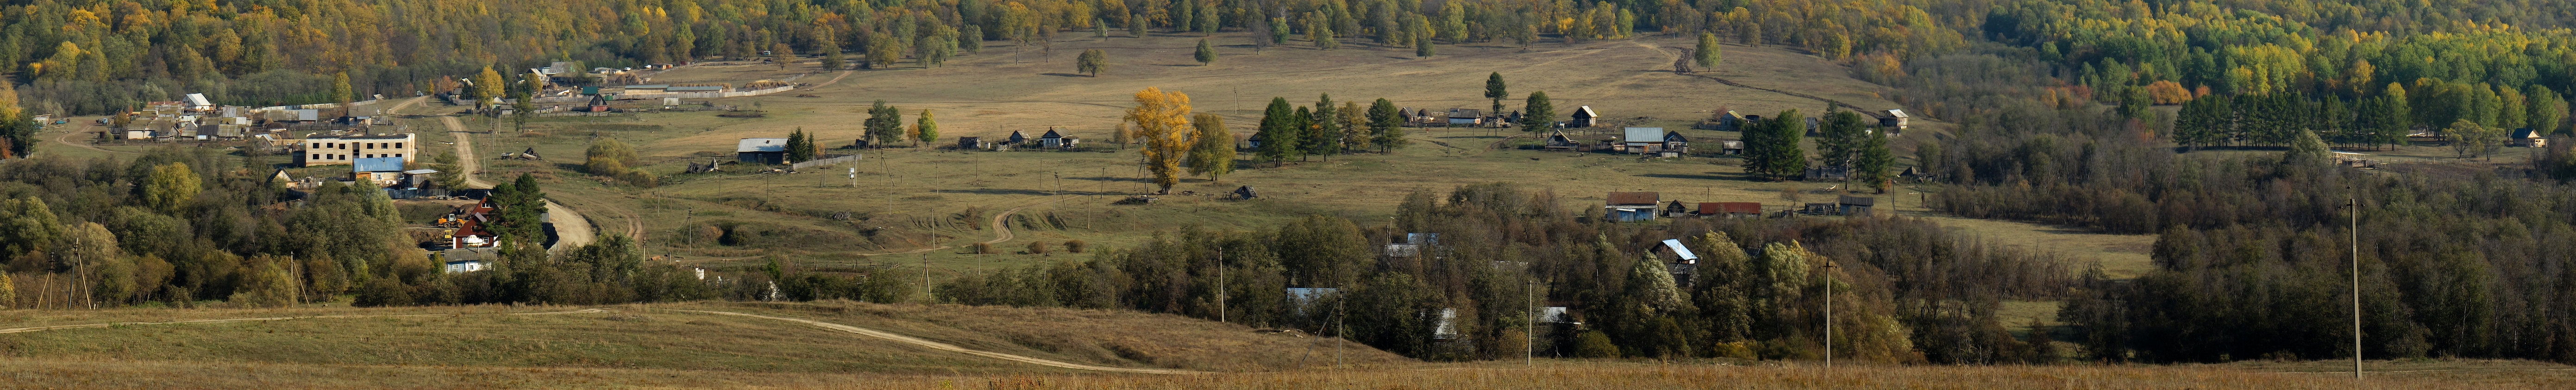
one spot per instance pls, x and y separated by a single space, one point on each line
346 149
1582 117
761 151
1893 119
377 171
1466 116
2526 137
1632 206
1557 141
970 143
1655 140
1056 140
1679 260
1855 205
1729 209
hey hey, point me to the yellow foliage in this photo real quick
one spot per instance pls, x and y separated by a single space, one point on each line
2168 92
1162 121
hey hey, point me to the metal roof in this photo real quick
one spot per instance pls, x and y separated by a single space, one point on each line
1644 134
749 145
379 164
695 89
420 171
1680 253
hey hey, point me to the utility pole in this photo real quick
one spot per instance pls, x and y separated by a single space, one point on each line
2353 204
1529 307
1220 285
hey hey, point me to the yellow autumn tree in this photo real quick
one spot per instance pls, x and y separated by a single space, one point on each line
1163 121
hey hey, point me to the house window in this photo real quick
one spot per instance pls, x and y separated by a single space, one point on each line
398 145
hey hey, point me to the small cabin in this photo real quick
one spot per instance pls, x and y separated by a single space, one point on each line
1583 117
1466 116
761 151
2526 137
1632 206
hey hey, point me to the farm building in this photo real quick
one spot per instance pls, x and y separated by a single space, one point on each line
418 177
1855 205
1582 117
1893 118
761 151
1655 140
1730 147
2526 137
337 150
1056 140
1729 209
1556 140
1466 116
970 143
1682 261
1017 137
1633 206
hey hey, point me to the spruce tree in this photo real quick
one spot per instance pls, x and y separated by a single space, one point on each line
1206 54
1386 124
1304 122
1496 91
1325 136
1877 164
1774 152
1278 132
1538 113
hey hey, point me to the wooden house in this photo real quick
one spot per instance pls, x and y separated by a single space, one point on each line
1017 137
1583 117
761 151
1655 140
378 171
1893 119
1856 205
1730 147
1632 206
2526 137
970 143
1057 140
1557 141
1465 116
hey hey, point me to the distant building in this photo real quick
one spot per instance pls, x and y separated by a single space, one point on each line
761 151
1654 140
1465 116
970 143
1583 117
2526 137
1893 118
1729 209
336 150
1056 140
378 171
1855 205
1557 141
1632 206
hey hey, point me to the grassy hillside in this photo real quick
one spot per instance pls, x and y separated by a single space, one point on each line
664 337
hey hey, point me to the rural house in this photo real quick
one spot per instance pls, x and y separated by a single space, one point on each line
1655 140
1633 206
1855 205
336 150
970 143
1056 140
2526 137
761 151
1466 116
380 171
1582 117
1557 141
1680 261
1017 137
1893 119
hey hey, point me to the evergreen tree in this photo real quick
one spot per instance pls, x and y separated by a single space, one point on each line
884 124
1304 122
798 149
1422 48
1774 153
1206 54
1877 164
1538 113
1324 137
1495 90
1279 133
1841 137
1386 124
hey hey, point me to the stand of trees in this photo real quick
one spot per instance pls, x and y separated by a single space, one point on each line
1326 130
1905 290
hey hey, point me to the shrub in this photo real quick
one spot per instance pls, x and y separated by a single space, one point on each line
382 292
982 248
1037 247
1594 344
1076 246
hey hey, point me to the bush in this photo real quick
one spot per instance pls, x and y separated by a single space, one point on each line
1595 345
1037 247
382 292
981 248
1076 246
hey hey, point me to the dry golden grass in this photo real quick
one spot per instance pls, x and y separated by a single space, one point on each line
109 373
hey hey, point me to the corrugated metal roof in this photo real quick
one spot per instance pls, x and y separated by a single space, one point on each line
379 164
1680 253
695 89
761 145
1644 134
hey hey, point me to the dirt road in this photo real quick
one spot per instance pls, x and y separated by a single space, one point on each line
1001 231
572 230
953 348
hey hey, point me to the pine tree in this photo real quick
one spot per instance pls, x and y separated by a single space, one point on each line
1278 133
925 130
1495 90
797 150
1325 135
1304 122
1386 125
1774 152
1206 54
1538 113
1213 153
1877 164
1841 137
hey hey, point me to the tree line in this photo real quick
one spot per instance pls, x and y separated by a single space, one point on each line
1905 290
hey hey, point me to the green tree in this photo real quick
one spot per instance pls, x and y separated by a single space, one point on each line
450 175
1206 54
2548 112
1213 153
172 188
2307 150
1278 31
1386 124
2468 138
1840 138
342 93
800 146
884 50
27 225
884 124
1323 133
1877 164
1772 149
1538 113
269 285
1709 53
1422 48
1091 62
1495 90
17 130
1279 133
925 130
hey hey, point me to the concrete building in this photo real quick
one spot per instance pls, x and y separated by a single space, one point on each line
346 149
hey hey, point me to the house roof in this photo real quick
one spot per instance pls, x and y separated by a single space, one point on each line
749 145
199 99
699 88
1634 198
1680 253
420 171
1644 134
1465 113
1585 112
1017 135
1051 134
1709 208
1858 201
379 164
1897 113
2525 133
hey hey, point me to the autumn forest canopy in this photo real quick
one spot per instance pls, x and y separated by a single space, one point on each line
2084 113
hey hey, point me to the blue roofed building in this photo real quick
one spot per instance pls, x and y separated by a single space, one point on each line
378 171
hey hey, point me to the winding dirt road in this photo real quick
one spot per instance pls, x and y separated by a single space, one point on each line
1001 231
571 229
953 348
218 321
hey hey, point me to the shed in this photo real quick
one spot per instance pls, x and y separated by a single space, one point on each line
1855 205
1465 116
1583 117
1729 209
1893 118
970 143
1556 140
761 151
415 178
1632 206
1731 147
1016 138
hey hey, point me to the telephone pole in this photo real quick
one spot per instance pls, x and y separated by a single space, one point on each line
1829 316
2352 203
1220 285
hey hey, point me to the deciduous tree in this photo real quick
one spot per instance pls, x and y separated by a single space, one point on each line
1213 152
1163 119
925 130
1091 62
1206 54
